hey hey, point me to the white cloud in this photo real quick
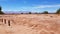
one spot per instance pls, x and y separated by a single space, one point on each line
47 6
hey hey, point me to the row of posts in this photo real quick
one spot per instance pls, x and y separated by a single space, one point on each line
5 21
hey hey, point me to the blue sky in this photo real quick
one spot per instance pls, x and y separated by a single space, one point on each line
29 5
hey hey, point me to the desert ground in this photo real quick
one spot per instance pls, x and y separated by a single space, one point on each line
30 24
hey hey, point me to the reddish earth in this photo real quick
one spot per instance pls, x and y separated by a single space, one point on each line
30 24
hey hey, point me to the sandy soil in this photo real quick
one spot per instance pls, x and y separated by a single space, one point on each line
30 24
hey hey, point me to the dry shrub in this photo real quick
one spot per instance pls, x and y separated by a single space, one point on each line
51 16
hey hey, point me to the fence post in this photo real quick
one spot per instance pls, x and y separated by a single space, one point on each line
4 21
8 22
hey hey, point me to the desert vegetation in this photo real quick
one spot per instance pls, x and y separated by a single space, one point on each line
58 11
1 10
45 12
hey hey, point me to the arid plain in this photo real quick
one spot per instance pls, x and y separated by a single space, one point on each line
30 24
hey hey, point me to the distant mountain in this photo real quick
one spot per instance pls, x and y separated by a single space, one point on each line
16 12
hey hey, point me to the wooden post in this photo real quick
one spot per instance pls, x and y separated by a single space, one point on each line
2 20
5 21
8 22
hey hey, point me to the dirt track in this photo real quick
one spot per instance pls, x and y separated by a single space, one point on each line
30 24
